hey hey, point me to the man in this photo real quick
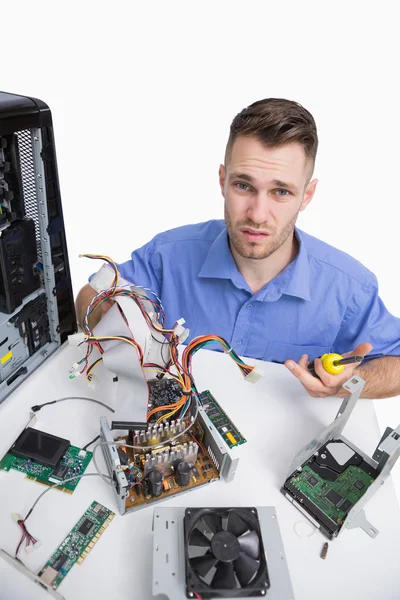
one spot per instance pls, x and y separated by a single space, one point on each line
272 291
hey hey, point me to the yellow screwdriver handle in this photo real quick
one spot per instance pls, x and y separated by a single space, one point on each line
328 361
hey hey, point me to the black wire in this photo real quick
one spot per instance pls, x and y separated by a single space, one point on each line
37 407
90 443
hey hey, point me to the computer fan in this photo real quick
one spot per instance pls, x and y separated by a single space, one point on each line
186 545
224 553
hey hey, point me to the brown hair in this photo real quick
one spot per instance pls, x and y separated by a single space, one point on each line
274 122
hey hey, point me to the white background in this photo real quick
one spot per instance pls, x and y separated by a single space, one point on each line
142 98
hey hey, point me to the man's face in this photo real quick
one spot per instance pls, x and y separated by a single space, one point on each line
264 190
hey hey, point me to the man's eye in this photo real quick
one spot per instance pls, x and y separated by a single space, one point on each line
242 186
282 193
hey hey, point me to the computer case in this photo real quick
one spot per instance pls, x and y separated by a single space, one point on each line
36 299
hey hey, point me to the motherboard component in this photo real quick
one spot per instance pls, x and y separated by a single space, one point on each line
165 459
77 544
183 471
155 483
46 459
157 434
163 393
227 430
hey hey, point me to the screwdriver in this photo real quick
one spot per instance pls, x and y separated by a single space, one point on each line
334 363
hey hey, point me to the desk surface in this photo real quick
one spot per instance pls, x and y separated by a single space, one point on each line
275 415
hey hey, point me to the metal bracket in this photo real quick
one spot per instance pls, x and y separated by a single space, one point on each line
360 520
354 386
30 574
383 459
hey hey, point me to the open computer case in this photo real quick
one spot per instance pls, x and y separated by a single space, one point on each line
36 301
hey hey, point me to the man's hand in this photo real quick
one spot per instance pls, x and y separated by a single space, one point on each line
326 385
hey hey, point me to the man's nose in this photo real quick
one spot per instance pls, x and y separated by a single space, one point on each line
259 209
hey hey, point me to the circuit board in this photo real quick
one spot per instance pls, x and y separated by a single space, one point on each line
77 544
74 462
334 498
202 471
227 430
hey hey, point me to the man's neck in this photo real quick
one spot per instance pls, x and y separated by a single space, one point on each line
259 272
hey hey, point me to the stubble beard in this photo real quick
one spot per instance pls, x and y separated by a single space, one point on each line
256 250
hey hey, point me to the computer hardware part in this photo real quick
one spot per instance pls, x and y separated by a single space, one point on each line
224 552
28 583
176 453
36 300
46 459
198 551
77 544
199 450
18 258
39 446
331 480
227 430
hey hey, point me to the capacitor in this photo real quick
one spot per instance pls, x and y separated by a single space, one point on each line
182 472
155 483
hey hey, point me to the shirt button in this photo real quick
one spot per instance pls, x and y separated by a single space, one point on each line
239 342
249 306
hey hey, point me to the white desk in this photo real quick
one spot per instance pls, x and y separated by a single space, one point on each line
275 415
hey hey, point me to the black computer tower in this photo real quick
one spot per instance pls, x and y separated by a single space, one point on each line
36 299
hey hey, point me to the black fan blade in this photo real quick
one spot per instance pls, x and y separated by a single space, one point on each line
245 568
250 544
224 577
198 539
236 525
203 564
213 521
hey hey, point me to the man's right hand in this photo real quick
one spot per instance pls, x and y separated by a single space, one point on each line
82 302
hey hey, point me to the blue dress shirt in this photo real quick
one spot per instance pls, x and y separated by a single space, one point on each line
324 301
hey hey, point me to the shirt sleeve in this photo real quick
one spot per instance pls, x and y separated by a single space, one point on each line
142 270
368 320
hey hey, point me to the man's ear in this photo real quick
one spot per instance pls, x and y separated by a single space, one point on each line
309 193
222 177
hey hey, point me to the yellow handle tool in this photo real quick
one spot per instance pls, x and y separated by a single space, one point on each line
331 364
334 363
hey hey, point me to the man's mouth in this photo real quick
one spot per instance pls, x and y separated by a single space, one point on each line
254 235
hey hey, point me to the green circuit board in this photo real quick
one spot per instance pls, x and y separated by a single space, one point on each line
334 498
218 417
74 462
77 544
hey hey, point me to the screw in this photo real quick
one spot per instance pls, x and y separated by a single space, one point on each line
190 594
323 455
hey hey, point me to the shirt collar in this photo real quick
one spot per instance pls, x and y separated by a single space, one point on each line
294 280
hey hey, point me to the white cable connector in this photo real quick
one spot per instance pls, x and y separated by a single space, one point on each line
75 374
31 547
93 383
180 331
17 517
254 375
75 367
76 338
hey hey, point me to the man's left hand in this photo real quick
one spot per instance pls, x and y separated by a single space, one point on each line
327 384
